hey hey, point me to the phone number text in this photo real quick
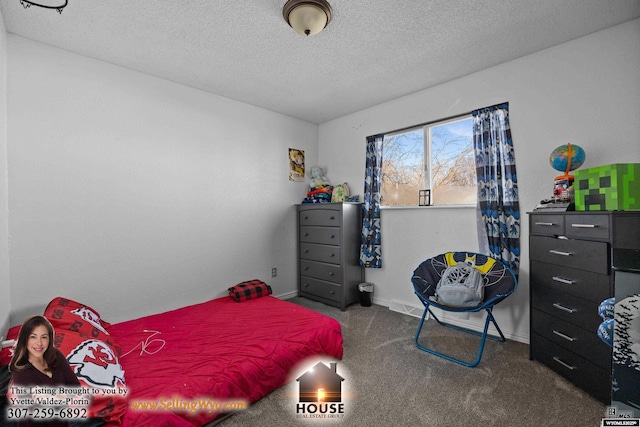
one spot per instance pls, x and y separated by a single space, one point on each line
45 413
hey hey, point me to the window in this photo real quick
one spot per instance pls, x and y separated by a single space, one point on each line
437 156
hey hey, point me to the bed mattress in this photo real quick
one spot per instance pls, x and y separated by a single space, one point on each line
189 361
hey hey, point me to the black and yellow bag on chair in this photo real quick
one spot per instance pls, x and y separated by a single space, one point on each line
461 285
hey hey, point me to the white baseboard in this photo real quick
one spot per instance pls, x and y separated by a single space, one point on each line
287 295
458 319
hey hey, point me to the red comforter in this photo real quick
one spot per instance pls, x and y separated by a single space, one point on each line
218 350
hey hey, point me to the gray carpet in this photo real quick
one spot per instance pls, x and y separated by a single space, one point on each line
392 383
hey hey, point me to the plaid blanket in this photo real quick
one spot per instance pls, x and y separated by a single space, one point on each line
249 290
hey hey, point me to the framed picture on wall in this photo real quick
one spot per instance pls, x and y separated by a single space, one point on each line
296 164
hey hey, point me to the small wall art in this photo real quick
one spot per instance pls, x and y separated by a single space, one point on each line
296 164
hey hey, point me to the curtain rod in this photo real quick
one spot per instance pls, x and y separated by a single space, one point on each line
457 116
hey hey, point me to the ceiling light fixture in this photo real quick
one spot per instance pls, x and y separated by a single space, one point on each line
307 17
53 4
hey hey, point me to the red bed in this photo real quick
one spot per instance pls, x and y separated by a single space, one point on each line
219 350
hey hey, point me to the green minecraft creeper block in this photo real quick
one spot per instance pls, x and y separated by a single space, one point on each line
613 187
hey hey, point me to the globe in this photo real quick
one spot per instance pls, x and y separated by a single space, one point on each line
559 158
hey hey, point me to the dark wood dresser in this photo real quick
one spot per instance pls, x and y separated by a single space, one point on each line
570 265
329 252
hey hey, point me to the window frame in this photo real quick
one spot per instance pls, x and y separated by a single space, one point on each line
427 154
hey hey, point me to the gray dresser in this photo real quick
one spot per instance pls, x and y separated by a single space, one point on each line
328 252
570 264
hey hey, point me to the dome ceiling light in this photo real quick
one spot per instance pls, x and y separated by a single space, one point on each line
307 17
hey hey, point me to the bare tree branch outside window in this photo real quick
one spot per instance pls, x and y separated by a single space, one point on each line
451 164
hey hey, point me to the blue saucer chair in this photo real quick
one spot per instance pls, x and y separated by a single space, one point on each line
499 283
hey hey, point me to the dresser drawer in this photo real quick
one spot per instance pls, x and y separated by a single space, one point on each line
548 225
584 284
582 254
323 235
319 288
322 253
580 341
321 217
587 226
578 311
586 375
321 270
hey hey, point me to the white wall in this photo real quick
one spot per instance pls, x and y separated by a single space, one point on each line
136 195
586 92
4 231
127 190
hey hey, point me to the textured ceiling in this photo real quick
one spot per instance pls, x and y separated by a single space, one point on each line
373 50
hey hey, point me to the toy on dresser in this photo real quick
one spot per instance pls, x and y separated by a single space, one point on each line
320 188
564 158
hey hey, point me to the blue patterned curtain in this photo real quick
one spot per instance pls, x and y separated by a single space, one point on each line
370 246
498 205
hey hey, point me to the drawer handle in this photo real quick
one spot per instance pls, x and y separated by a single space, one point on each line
563 308
333 236
566 337
331 292
306 268
331 273
306 285
331 255
332 217
553 251
545 224
306 234
306 251
584 225
561 280
564 364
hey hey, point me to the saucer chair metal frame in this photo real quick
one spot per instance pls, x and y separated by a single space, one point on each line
499 283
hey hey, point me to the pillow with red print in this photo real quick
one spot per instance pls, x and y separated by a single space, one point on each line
7 352
95 362
64 313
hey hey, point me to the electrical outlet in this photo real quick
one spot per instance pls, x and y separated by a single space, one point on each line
274 272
